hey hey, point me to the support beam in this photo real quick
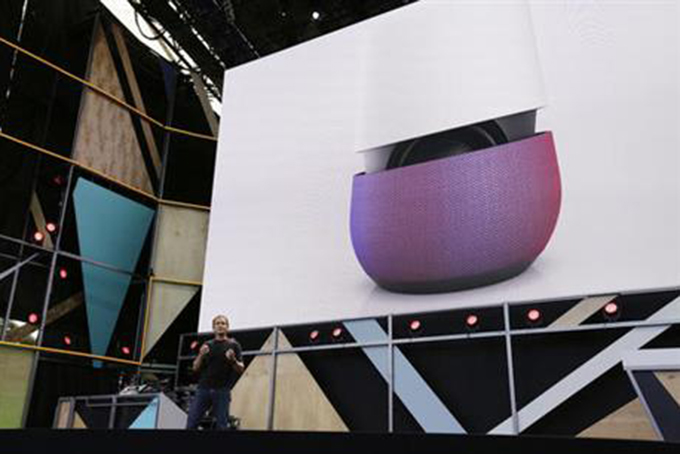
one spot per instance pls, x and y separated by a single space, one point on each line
199 88
54 314
14 268
137 96
39 219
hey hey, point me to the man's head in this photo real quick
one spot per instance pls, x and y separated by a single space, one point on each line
220 325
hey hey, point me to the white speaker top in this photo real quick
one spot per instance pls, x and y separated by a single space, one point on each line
437 65
423 68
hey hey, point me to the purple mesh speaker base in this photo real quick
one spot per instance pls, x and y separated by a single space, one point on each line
457 222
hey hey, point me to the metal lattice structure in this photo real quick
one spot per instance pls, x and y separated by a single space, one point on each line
220 34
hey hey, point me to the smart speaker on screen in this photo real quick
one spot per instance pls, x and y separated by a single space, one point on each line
462 207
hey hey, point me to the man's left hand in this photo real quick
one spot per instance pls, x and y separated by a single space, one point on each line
231 356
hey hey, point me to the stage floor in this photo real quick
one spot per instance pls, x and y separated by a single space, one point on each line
42 441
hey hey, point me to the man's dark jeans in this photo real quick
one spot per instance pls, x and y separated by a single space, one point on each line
218 398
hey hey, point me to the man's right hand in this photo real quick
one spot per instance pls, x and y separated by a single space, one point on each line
205 349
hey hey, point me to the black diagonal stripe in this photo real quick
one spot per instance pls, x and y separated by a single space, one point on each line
352 385
542 360
668 339
165 349
469 376
661 404
600 398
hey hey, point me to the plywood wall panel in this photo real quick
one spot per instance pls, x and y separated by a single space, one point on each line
105 138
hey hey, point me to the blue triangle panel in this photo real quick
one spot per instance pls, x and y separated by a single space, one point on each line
105 292
147 418
112 230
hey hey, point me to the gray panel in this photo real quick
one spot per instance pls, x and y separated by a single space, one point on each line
170 416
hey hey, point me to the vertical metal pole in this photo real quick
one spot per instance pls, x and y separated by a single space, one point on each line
71 413
272 380
140 321
8 91
158 409
8 311
511 372
143 309
22 246
170 114
55 254
57 413
390 381
179 361
112 412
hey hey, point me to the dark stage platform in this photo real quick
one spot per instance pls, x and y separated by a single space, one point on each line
42 441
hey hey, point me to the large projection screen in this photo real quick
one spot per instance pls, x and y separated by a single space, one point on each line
279 248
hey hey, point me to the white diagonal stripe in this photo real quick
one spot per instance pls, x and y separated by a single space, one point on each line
414 392
589 371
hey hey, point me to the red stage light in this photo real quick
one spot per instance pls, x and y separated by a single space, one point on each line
125 349
38 237
58 180
193 345
67 341
611 308
314 335
51 227
337 332
63 273
471 321
611 311
414 325
533 315
33 318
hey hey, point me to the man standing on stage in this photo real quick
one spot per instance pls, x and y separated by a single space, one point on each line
218 364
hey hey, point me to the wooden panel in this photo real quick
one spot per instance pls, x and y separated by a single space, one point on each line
15 367
106 139
579 313
671 381
180 243
63 411
78 422
628 422
250 396
166 303
300 403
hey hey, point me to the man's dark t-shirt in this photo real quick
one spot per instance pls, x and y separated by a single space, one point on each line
216 370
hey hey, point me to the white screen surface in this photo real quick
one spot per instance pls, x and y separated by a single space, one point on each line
279 249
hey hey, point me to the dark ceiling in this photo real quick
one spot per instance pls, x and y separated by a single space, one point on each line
221 34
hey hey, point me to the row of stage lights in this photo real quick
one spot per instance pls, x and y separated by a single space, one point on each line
533 318
50 227
39 237
67 340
